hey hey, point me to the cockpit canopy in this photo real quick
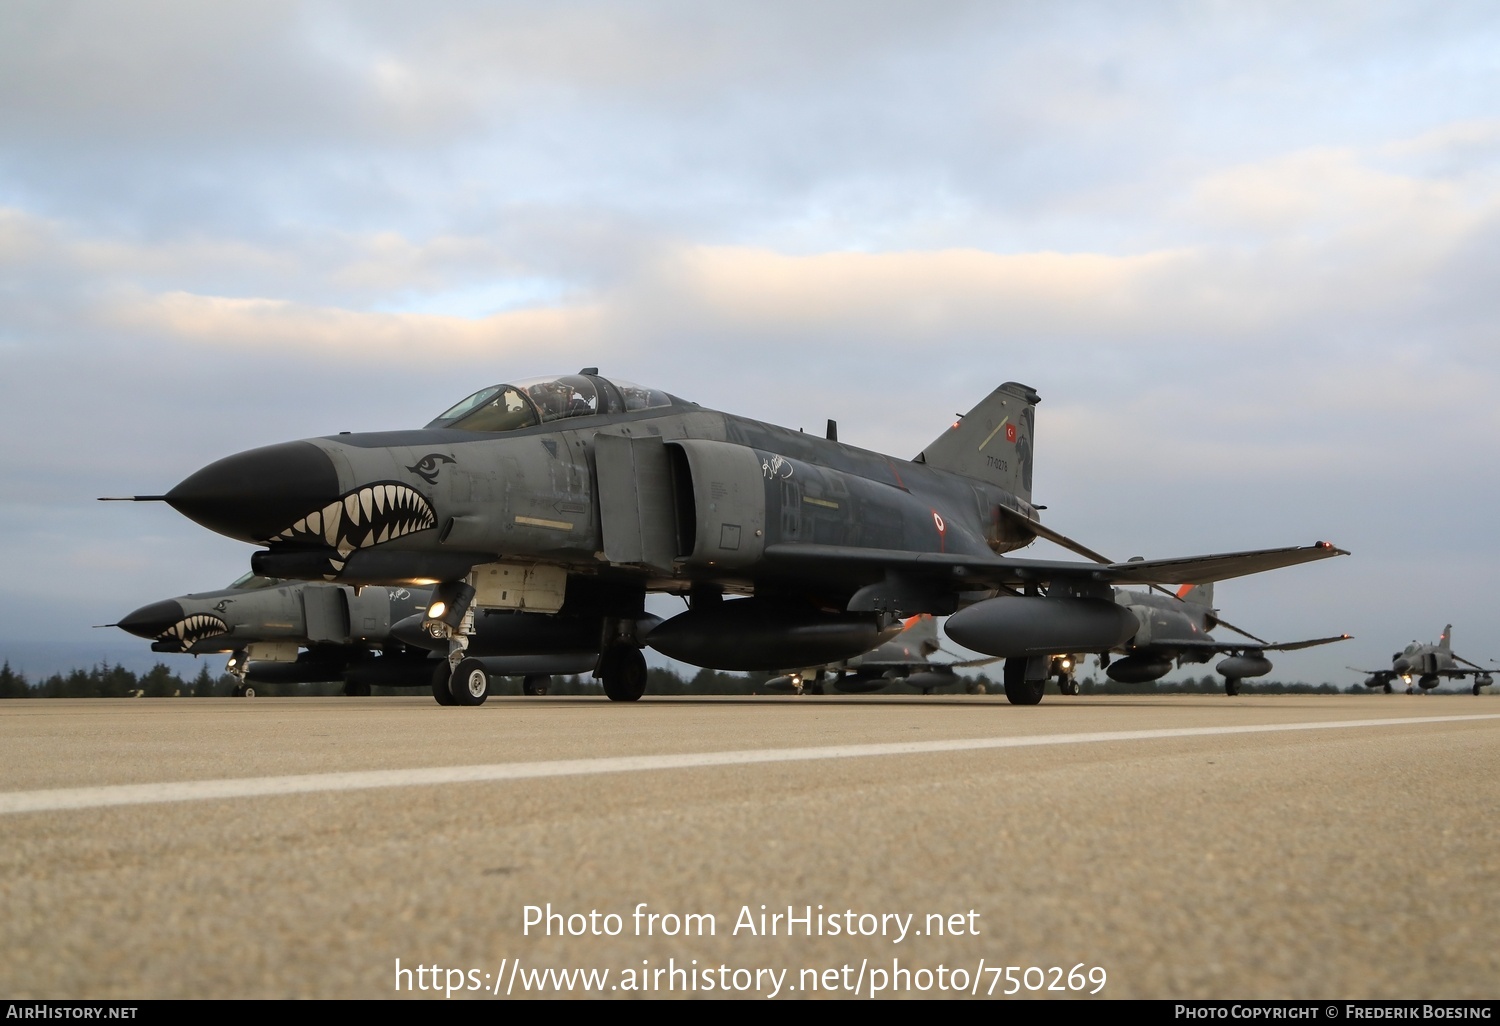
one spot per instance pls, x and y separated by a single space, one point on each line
540 400
252 581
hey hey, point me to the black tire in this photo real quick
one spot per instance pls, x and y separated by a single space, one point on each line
238 691
1477 687
469 683
1068 685
1388 688
356 689
623 673
440 690
536 684
1019 690
1231 686
248 691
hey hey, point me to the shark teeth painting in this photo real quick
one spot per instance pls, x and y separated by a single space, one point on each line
190 630
368 516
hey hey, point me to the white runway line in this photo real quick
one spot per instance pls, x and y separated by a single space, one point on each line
252 787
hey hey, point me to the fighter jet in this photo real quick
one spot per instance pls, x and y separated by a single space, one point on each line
580 494
1175 628
296 632
904 660
1428 664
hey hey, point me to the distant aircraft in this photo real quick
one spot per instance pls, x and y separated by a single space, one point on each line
297 632
904 660
1175 629
1428 664
580 494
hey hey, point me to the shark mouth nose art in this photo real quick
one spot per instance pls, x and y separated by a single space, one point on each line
190 630
370 515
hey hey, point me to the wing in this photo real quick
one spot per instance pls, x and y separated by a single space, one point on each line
1209 645
953 571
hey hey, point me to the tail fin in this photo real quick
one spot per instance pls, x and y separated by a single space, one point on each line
992 442
920 632
1445 643
1197 594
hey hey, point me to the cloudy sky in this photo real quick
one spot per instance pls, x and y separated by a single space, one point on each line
1248 254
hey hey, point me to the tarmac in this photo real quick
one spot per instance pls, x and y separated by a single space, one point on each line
1170 847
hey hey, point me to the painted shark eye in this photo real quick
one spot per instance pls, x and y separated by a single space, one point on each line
427 467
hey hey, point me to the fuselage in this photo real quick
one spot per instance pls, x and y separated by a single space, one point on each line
663 497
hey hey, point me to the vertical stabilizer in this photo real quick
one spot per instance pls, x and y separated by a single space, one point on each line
1197 594
1445 643
992 442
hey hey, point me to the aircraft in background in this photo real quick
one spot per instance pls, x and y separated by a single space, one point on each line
297 632
1428 664
904 660
579 494
1174 628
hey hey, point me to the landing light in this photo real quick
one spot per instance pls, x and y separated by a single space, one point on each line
450 601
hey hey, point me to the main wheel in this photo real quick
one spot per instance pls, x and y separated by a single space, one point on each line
470 683
1477 687
1019 690
1388 688
536 684
356 689
623 672
1231 686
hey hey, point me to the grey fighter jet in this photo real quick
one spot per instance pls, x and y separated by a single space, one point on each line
1175 628
579 494
1422 667
297 632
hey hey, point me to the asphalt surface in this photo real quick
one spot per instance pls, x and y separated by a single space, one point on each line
347 847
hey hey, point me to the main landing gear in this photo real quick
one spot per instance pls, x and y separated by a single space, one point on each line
622 670
1018 689
536 684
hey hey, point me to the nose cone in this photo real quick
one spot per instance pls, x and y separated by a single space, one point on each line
154 620
255 495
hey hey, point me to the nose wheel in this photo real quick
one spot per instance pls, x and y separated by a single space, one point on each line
536 684
469 683
440 675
